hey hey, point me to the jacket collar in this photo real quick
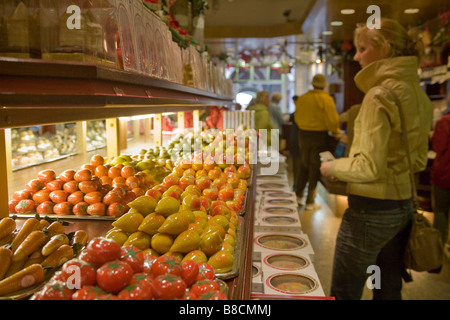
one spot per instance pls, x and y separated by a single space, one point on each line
398 68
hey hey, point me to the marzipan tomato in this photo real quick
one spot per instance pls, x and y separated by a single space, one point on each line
55 185
93 197
63 208
12 205
58 196
205 271
142 279
168 287
56 290
45 207
80 271
45 176
80 209
22 195
71 186
148 261
136 292
83 175
96 209
115 209
41 196
214 295
189 295
114 276
34 185
76 197
166 265
189 272
88 293
24 206
134 257
111 197
102 250
87 186
67 175
205 286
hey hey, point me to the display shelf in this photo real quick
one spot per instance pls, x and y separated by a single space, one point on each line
40 92
240 287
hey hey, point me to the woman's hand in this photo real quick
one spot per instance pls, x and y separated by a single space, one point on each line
325 170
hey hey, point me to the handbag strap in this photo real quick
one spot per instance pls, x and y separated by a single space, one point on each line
405 143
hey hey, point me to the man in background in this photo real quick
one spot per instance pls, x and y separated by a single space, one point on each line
315 115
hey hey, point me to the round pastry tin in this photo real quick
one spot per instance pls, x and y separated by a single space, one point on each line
268 177
271 185
280 220
280 242
281 202
286 262
256 271
290 283
279 210
278 194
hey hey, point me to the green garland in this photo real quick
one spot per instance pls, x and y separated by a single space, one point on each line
199 7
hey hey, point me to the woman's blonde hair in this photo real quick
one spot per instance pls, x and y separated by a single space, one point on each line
391 34
261 96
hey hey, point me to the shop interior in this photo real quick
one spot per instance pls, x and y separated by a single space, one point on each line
142 91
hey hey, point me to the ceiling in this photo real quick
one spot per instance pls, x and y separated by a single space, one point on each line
237 25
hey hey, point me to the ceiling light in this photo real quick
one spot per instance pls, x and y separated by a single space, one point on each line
327 33
411 10
348 11
336 23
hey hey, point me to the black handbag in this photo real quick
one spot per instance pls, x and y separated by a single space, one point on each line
424 250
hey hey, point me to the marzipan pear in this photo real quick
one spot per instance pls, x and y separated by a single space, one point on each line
174 224
144 204
189 214
195 255
151 223
219 219
211 242
139 239
214 227
177 255
118 236
129 222
222 261
186 241
167 206
161 242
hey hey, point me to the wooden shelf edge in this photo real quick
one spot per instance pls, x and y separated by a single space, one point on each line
240 287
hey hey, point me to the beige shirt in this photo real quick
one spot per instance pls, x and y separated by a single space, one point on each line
377 165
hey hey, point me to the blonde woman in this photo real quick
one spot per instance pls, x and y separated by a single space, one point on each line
262 116
376 225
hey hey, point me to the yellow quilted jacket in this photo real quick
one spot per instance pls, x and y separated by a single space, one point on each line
377 165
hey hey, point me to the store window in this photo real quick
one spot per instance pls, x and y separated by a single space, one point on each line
248 80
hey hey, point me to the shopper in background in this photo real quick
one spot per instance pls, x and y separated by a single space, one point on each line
440 175
375 228
294 149
262 116
275 111
315 115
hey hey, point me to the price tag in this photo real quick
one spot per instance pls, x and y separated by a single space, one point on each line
118 91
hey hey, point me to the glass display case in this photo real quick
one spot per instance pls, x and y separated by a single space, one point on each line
19 29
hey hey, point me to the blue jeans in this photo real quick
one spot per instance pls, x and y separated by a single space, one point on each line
371 237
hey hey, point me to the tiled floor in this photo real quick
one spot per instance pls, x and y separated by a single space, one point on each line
322 226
